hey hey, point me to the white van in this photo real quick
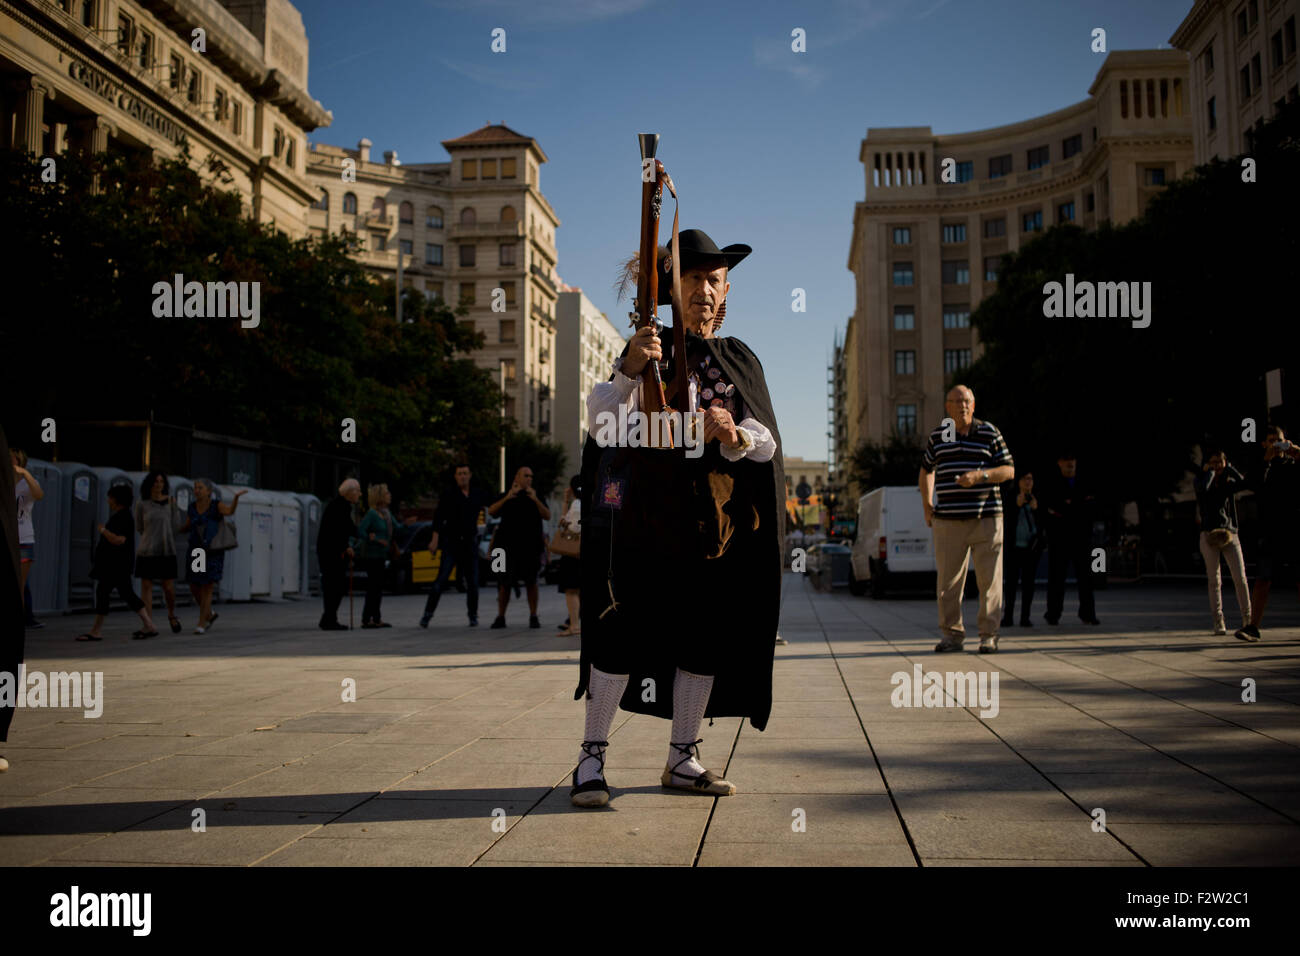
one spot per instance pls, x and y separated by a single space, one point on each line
892 539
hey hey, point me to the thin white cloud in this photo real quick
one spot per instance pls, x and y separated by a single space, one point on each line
548 12
848 19
508 80
937 6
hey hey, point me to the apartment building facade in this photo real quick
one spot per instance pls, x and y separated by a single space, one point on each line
475 231
1243 70
140 78
940 212
586 345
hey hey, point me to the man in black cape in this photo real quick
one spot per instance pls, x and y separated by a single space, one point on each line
681 553
334 541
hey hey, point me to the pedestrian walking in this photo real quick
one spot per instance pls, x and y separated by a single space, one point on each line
1021 551
157 520
570 567
376 536
335 549
27 491
455 532
964 461
12 631
111 567
1070 503
1278 486
520 535
203 520
1216 499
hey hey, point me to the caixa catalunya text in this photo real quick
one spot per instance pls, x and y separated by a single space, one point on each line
208 300
76 689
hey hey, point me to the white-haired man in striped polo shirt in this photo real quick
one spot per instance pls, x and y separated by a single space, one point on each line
964 462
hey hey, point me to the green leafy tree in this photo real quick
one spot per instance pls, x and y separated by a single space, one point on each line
1222 260
327 346
895 461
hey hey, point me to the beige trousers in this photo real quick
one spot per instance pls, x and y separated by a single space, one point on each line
1214 579
955 539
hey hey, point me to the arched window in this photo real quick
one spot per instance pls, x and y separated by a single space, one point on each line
406 212
433 217
323 202
379 207
350 203
467 216
508 214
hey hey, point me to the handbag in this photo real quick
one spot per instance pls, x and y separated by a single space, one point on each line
224 539
1219 538
565 543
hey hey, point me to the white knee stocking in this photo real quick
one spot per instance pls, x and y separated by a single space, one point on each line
604 692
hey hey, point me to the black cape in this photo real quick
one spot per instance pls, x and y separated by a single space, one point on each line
743 682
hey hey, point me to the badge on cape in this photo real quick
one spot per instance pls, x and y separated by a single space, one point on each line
611 493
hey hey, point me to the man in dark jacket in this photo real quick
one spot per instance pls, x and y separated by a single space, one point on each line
455 531
1278 485
338 533
682 547
1216 500
1069 501
1021 548
12 612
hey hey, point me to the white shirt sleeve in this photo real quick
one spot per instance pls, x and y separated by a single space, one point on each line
606 398
763 447
574 515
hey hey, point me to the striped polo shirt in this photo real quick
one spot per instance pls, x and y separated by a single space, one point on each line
981 448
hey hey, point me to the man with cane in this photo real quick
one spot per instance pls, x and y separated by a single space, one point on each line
334 543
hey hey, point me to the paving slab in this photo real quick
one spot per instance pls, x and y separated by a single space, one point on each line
1141 717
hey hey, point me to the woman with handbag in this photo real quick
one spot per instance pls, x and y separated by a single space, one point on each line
156 519
376 534
1216 498
205 521
566 543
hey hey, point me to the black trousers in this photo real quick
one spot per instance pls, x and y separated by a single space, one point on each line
374 588
104 588
1059 557
1018 565
463 556
333 585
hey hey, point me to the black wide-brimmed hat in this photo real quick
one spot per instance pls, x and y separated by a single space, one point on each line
696 247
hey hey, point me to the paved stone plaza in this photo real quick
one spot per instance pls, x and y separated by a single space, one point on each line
459 747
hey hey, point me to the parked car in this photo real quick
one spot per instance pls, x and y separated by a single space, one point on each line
829 565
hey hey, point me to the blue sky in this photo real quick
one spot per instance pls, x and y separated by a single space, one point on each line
762 142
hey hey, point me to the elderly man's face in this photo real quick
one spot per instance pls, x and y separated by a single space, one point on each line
352 493
960 406
703 289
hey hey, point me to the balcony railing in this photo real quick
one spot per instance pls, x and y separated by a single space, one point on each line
541 274
513 228
375 220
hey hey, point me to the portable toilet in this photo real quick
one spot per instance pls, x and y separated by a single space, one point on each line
286 546
182 491
309 564
81 490
247 571
49 578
